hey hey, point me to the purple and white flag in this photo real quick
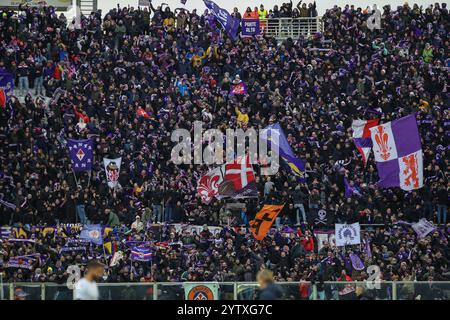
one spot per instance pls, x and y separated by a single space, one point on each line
357 264
5 232
347 234
398 153
81 154
112 170
141 254
19 263
116 258
228 22
423 227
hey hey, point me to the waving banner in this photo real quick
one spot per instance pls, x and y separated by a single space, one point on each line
141 254
208 185
276 138
423 227
264 220
398 153
92 233
361 136
238 89
357 264
228 22
321 218
81 154
6 87
235 179
112 170
250 27
347 234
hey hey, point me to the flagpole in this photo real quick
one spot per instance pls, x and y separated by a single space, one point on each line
89 179
104 253
1 286
75 176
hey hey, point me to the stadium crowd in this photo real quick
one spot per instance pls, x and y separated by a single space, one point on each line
95 79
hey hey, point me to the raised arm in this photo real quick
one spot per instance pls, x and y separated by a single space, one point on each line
152 7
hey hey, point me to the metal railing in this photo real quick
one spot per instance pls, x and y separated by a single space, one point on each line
283 28
386 290
87 6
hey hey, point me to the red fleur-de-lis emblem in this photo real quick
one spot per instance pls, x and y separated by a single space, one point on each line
381 138
411 171
208 187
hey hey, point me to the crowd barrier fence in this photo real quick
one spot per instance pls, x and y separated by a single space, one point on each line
387 290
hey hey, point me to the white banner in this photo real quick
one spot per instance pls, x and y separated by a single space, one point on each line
116 258
112 170
180 227
325 237
423 227
201 290
347 234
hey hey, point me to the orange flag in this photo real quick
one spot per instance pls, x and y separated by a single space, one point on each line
264 220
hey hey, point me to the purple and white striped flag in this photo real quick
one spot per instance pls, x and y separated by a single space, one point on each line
141 254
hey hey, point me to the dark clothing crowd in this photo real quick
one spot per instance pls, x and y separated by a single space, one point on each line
128 78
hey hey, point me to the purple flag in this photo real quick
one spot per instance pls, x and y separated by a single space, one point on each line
19 263
357 264
240 88
398 153
293 163
367 247
423 227
228 22
250 27
92 233
141 254
81 154
350 190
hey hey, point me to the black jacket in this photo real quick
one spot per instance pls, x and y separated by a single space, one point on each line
271 292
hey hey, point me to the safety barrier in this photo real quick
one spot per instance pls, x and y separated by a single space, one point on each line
283 28
384 290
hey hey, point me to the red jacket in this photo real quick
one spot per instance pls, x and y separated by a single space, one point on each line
79 115
307 242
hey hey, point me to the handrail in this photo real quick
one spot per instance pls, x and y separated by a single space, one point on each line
283 28
37 284
396 290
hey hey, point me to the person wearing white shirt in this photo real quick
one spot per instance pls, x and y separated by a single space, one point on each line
86 288
137 224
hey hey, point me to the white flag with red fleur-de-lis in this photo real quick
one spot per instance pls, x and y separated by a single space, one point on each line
398 153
